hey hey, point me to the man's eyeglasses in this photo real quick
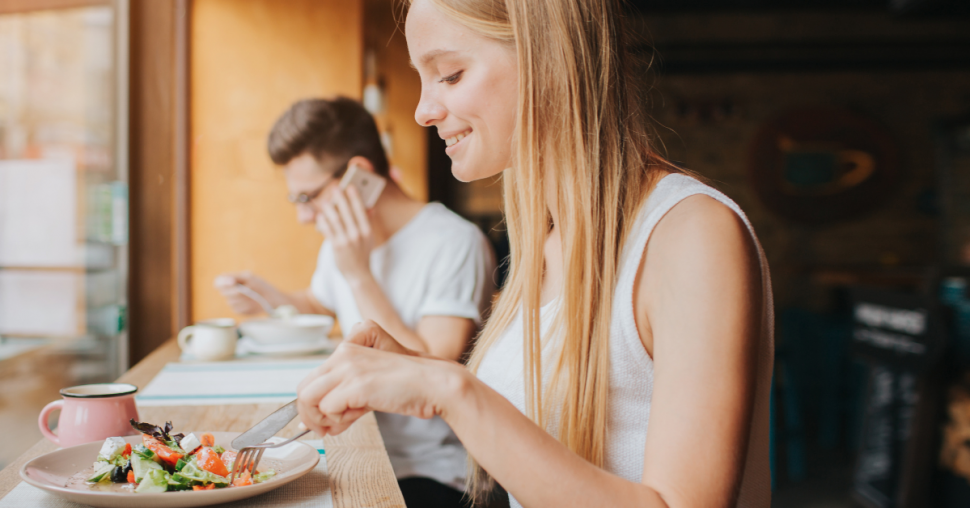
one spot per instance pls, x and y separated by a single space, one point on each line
306 197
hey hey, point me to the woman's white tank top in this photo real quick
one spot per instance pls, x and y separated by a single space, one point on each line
631 368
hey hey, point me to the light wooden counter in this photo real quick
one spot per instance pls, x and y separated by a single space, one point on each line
360 471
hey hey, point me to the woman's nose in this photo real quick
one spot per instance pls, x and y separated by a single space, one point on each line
429 111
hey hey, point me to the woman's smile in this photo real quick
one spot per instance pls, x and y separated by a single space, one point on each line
454 142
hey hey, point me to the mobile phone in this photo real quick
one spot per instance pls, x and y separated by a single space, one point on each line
368 185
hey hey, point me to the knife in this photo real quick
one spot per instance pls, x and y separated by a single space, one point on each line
267 428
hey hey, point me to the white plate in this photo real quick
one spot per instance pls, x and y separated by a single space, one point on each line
62 473
246 346
299 328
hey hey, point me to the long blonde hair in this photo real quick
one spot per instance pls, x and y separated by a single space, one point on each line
581 129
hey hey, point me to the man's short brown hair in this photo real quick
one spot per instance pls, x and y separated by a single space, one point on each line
338 128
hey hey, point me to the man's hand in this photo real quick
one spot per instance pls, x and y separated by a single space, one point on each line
242 304
344 221
369 334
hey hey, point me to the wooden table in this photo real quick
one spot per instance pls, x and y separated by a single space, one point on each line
360 471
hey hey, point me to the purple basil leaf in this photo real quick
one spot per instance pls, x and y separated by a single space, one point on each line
155 431
145 428
166 430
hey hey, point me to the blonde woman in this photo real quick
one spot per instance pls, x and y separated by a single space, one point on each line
628 359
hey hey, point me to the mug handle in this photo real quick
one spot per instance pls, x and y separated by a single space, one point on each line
42 420
184 337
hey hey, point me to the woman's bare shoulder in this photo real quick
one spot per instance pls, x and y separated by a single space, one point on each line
698 253
698 225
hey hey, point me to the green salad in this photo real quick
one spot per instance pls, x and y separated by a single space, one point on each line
166 462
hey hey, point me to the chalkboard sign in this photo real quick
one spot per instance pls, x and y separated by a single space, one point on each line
901 330
890 403
900 336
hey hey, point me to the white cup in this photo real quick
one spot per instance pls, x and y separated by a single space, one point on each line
210 340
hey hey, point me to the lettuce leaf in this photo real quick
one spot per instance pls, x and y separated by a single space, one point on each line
156 480
175 447
143 452
193 472
142 466
265 475
179 482
117 461
102 472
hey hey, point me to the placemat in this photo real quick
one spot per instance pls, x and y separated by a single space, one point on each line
218 383
310 490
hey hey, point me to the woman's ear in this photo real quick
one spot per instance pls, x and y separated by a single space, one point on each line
361 162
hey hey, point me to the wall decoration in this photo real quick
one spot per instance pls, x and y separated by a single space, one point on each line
818 165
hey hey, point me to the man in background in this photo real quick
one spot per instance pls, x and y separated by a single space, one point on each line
418 270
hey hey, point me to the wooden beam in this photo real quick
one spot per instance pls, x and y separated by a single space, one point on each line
182 294
152 142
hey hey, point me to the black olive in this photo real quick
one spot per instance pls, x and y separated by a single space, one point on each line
119 475
128 466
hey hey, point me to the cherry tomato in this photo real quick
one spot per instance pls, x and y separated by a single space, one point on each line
209 460
165 453
228 457
243 480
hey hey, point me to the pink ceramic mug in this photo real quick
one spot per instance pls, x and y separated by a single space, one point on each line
91 413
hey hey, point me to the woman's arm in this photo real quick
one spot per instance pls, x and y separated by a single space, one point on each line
698 305
704 372
527 461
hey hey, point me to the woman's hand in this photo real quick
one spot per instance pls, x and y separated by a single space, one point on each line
370 371
344 221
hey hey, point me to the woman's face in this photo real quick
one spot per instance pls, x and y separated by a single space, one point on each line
469 90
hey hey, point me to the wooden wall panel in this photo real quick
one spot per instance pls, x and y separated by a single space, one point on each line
250 59
151 295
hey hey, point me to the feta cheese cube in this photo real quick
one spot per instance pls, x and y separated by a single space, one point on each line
190 443
112 447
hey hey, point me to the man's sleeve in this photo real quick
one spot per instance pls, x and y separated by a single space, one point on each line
320 285
461 282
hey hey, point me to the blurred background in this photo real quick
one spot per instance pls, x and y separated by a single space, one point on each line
133 170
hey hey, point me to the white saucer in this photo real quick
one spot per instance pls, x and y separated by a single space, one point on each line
247 346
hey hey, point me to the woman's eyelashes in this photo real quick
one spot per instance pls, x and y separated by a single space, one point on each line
452 79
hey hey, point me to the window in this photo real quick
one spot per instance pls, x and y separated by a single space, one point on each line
63 208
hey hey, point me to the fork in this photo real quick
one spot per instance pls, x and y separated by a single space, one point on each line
248 458
256 297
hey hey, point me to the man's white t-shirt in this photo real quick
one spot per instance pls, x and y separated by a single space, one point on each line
438 264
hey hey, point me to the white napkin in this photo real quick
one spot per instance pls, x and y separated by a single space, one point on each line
220 383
